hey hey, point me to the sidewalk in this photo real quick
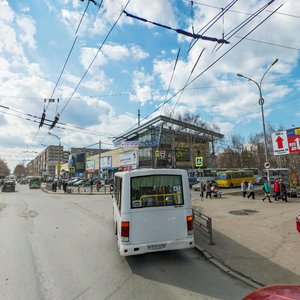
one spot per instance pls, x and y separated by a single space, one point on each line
263 245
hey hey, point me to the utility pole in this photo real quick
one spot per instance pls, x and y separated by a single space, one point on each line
99 171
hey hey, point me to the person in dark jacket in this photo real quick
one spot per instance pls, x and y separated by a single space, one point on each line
283 192
65 184
208 189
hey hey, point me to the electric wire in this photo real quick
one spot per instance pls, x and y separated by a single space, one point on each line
69 54
93 60
179 31
232 47
219 15
188 79
206 27
232 32
271 44
64 124
212 64
56 119
240 12
60 75
171 79
73 128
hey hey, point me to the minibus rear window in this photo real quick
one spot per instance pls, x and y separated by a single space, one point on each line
156 190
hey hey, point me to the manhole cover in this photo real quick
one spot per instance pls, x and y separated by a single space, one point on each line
243 212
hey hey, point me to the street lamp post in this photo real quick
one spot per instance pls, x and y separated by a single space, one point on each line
59 144
261 102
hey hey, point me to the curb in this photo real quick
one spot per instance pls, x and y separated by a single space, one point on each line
228 270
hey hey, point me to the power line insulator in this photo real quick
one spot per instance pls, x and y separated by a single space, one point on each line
54 122
42 119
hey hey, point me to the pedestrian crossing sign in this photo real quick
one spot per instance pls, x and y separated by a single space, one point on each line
199 161
71 169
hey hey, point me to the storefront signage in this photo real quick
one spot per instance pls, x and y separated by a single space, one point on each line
128 158
182 154
90 165
129 143
106 162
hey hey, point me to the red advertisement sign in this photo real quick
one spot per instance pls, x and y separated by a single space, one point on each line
293 140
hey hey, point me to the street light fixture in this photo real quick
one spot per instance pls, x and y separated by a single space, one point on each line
59 144
261 102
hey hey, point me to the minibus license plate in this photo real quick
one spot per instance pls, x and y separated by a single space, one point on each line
156 247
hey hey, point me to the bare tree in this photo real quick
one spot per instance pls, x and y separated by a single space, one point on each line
4 170
20 170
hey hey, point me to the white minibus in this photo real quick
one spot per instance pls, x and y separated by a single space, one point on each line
152 211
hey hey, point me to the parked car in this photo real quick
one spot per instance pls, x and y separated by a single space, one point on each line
9 186
196 187
260 180
73 180
83 182
192 181
23 181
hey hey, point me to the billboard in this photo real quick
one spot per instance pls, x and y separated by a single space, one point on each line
286 141
182 154
128 158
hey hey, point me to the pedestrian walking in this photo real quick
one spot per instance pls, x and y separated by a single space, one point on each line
208 189
59 183
283 192
111 188
276 189
244 188
98 185
251 190
65 184
54 185
267 191
202 189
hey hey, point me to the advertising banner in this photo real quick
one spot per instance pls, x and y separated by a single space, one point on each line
280 143
182 154
106 162
90 165
293 136
128 158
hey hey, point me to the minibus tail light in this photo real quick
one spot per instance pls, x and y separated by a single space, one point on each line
189 223
125 231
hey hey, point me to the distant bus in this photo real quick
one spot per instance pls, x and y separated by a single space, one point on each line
233 178
152 211
274 173
255 171
34 182
198 175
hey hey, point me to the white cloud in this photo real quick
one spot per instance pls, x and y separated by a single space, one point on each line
98 83
117 52
27 27
142 87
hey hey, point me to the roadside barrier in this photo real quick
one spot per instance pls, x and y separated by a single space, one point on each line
104 189
204 223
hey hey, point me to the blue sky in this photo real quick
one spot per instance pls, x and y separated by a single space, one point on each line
134 67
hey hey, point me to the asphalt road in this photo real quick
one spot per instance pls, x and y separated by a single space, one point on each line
63 247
